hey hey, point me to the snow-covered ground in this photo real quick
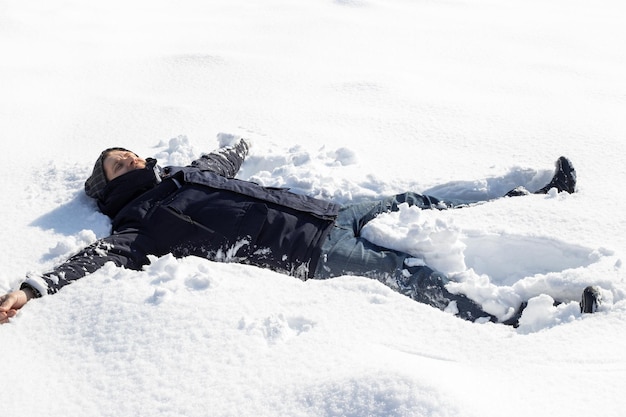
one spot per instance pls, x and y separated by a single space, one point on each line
344 99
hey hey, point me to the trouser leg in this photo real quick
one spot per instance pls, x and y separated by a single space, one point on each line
356 216
346 253
429 287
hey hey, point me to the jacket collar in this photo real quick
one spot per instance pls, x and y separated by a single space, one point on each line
125 188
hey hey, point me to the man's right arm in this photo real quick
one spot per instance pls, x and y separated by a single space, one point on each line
127 250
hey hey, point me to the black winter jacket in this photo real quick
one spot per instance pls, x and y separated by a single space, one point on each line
201 210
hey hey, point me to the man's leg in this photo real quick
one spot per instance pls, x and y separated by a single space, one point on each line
356 216
346 253
564 180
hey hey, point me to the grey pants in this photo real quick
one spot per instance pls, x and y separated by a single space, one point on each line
345 252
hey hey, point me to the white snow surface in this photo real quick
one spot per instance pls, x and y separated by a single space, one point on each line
347 100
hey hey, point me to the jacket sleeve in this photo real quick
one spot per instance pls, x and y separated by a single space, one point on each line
224 161
126 249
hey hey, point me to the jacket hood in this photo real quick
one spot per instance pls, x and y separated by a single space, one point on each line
125 188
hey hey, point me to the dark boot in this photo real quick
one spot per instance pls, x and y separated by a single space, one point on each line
590 300
564 178
517 192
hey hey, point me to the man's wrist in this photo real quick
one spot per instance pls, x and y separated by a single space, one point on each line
30 291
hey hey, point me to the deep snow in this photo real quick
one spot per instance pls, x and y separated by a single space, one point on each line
348 100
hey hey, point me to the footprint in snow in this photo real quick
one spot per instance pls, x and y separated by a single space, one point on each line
276 327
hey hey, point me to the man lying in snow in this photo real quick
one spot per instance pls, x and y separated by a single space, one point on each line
202 210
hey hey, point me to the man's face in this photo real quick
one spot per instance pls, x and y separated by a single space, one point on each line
120 162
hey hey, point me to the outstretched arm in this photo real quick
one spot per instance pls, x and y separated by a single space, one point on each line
224 161
127 249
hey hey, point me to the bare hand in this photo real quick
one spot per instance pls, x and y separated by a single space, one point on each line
10 303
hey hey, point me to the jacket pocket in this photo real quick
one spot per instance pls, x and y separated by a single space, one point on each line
252 222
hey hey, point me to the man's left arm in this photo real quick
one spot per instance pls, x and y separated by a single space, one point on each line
224 161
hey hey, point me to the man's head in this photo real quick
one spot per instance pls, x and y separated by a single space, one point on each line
111 163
